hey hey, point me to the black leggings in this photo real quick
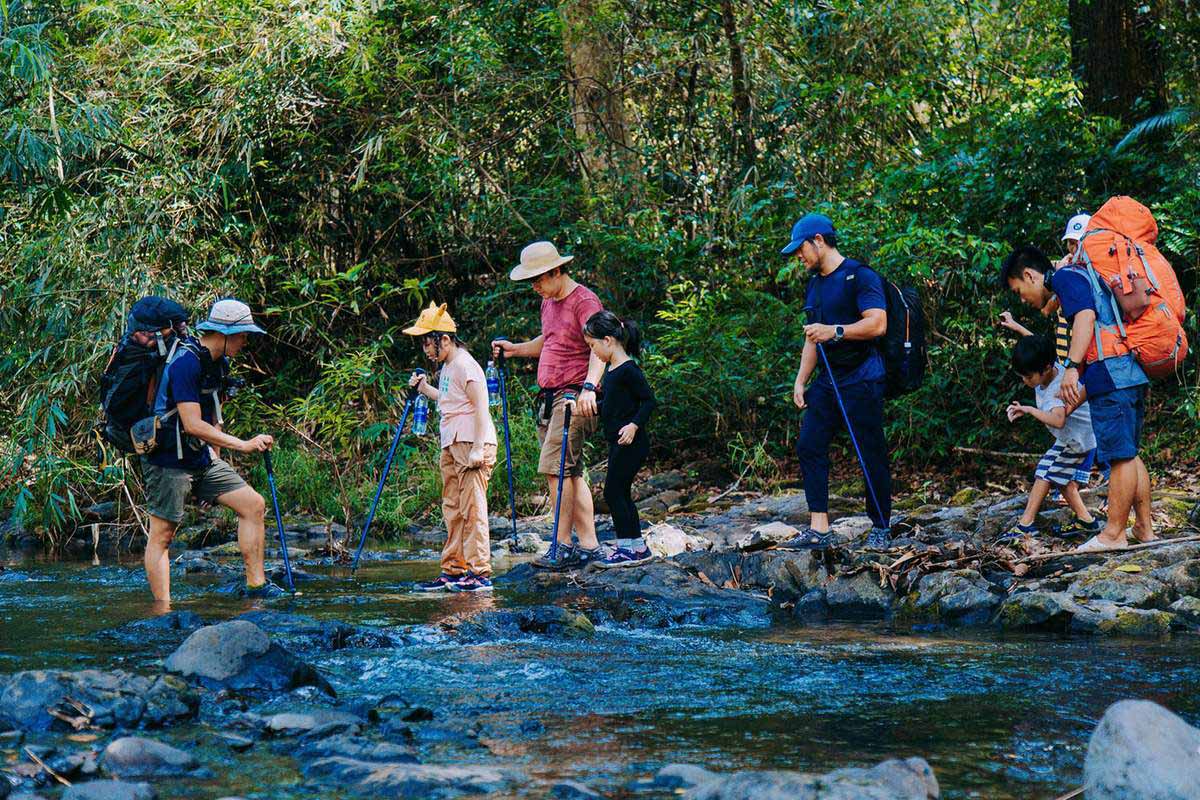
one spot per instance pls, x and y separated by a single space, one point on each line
623 463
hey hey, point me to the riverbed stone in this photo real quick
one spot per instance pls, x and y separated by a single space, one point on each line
682 776
328 721
110 790
540 620
240 655
1037 610
305 633
664 541
1183 577
1141 750
116 699
574 790
960 597
1124 588
1187 610
406 780
858 596
356 748
138 757
912 779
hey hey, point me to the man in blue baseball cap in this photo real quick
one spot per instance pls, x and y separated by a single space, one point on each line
847 311
185 460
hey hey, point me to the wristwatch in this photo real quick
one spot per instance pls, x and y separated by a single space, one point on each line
838 333
588 386
1069 364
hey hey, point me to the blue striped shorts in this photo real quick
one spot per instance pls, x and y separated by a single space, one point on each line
1060 466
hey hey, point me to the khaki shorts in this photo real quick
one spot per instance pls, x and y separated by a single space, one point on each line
550 438
167 488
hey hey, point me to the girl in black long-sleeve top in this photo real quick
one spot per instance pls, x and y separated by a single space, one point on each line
625 408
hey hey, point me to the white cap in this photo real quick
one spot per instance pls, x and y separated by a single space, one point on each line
1076 227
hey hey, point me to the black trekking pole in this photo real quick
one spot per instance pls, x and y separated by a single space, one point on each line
562 466
362 540
287 564
808 312
512 496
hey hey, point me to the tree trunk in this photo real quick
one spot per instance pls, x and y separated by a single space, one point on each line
597 104
1116 53
743 112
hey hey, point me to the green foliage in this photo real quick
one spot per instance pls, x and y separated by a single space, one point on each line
339 165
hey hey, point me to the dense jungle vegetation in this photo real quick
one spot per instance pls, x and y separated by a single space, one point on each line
337 164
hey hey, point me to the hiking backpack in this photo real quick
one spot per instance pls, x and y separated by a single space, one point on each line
1128 272
903 346
134 370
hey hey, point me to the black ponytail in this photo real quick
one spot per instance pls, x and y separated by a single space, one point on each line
606 323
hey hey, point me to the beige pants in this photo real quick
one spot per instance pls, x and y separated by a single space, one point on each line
464 507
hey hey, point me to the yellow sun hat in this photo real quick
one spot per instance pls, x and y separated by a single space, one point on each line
433 320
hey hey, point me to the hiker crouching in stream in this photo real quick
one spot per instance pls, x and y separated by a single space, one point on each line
850 310
468 440
186 461
565 366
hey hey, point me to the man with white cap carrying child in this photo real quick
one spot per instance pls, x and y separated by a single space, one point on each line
181 441
566 368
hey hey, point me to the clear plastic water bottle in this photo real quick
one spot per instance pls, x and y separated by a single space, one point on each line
420 415
493 383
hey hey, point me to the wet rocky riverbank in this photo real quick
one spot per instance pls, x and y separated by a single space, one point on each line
945 667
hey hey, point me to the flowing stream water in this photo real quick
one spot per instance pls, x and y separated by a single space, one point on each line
996 717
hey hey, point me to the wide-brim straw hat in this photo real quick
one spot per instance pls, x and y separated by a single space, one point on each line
434 319
536 259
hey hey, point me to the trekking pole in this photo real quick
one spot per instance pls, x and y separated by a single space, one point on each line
387 466
512 496
808 312
562 466
287 564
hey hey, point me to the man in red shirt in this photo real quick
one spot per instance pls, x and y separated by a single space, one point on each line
565 364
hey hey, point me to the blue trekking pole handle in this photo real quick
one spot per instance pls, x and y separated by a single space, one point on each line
808 311
512 495
362 540
287 564
562 466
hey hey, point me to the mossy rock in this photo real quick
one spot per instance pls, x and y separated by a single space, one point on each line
966 496
1138 623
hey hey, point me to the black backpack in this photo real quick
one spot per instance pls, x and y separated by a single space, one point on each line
134 369
903 346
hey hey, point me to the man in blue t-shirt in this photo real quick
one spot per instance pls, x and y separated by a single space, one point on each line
847 313
1114 386
188 404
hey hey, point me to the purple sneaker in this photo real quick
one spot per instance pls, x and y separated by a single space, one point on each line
439 584
625 557
471 583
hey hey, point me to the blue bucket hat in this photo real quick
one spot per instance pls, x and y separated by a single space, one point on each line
806 228
229 317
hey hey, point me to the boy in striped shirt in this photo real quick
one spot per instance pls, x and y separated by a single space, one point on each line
1068 462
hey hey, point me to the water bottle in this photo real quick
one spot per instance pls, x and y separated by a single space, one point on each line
493 383
420 415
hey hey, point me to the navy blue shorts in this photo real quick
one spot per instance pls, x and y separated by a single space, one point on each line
1117 422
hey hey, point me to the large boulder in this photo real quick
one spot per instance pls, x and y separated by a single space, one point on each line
135 757
110 790
406 780
960 597
1138 589
666 541
858 596
100 699
1142 751
240 655
912 779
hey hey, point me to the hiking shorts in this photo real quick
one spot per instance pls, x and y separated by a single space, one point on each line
550 438
1117 422
1061 465
168 488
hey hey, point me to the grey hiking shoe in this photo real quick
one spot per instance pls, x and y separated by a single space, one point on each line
544 561
268 591
879 539
809 539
